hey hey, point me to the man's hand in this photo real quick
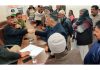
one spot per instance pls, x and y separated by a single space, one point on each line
23 54
31 31
74 26
18 26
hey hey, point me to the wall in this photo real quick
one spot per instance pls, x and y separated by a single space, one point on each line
4 10
3 13
76 9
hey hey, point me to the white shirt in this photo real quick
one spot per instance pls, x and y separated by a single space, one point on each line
38 16
95 19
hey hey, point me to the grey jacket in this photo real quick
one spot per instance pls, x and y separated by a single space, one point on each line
6 57
70 57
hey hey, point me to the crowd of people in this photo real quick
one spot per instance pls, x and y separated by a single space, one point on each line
58 31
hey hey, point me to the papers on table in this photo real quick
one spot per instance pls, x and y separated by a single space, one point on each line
34 50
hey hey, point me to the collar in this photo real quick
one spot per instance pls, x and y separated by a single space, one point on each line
95 16
98 41
60 55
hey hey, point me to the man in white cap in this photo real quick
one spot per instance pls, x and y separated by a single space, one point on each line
57 45
66 23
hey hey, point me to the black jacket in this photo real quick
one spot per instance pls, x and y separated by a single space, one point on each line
85 37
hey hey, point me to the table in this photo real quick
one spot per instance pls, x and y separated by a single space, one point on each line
40 59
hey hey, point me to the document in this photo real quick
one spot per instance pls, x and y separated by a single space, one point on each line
34 50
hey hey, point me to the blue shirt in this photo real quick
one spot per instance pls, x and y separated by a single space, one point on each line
93 56
57 28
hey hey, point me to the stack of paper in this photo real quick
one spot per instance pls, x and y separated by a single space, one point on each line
34 50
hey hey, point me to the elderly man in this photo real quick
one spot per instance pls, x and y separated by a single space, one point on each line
55 27
51 22
57 45
66 23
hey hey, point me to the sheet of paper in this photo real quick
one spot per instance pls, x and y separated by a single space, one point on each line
34 50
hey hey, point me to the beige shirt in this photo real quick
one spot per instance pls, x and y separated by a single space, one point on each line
95 19
70 57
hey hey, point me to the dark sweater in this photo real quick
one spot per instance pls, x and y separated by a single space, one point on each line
85 37
66 23
13 36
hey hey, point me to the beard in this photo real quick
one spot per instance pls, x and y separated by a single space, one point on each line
94 15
